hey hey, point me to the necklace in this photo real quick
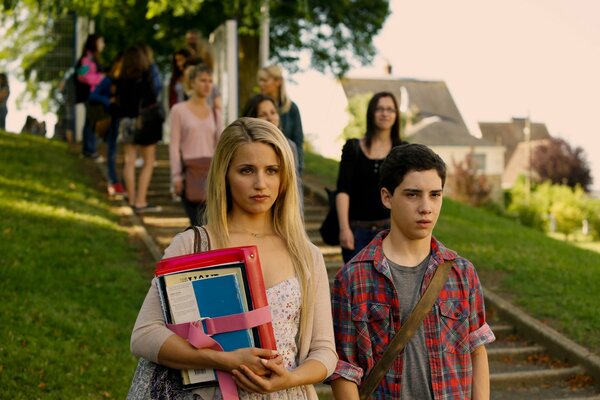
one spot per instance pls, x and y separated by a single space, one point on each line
257 235
253 234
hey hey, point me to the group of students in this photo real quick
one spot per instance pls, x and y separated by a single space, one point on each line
132 84
390 257
194 113
196 121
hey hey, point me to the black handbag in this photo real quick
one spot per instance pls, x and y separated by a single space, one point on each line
148 126
149 122
330 228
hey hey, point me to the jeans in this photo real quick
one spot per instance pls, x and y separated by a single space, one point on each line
194 211
3 113
111 151
89 137
362 237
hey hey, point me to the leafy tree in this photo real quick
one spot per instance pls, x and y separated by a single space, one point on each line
567 206
559 163
335 33
357 110
529 213
469 184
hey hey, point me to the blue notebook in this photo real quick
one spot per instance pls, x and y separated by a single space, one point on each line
219 296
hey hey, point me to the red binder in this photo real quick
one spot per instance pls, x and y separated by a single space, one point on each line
246 264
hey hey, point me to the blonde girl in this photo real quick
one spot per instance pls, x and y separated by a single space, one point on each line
252 200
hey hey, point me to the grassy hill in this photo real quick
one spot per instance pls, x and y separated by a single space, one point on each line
552 280
70 278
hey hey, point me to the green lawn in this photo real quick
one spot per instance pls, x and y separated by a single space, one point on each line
71 278
555 281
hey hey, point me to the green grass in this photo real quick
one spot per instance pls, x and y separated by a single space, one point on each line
323 169
70 278
555 281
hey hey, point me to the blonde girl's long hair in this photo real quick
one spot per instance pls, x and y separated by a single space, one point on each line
287 223
276 72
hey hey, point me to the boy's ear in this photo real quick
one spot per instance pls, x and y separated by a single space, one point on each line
386 198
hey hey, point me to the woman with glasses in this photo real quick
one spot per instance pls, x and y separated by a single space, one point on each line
361 214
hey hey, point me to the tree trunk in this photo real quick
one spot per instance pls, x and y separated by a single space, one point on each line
248 68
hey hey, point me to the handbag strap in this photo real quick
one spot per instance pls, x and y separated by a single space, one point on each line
407 330
201 239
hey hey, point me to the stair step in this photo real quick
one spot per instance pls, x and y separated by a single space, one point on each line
500 353
537 376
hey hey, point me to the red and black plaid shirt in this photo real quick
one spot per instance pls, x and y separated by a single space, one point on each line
366 316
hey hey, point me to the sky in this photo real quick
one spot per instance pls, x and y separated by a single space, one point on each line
502 59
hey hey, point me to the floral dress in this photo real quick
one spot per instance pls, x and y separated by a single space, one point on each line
284 300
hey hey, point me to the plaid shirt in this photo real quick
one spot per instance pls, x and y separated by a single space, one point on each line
366 316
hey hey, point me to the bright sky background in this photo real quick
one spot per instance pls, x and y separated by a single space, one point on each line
499 59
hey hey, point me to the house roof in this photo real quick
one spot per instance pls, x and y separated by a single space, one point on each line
438 121
510 134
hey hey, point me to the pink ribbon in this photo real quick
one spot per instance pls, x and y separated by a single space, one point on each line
194 333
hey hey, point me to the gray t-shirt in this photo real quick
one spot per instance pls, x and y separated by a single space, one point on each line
416 375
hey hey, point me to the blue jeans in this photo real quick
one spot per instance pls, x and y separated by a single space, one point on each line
362 237
194 211
3 113
111 151
89 137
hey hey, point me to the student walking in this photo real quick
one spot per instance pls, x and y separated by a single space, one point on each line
272 84
4 93
176 91
360 212
135 91
105 94
195 130
89 74
249 202
374 294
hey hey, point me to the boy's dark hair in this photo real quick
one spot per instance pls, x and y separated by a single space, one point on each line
407 158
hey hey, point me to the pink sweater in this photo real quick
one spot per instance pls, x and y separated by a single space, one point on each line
191 137
89 73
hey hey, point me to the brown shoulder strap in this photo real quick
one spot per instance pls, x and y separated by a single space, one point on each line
407 330
205 239
197 239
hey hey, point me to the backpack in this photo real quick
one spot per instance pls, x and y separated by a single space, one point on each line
82 90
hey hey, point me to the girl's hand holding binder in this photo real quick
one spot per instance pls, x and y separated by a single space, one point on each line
280 378
253 358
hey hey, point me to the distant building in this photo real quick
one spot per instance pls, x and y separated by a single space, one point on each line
512 136
434 120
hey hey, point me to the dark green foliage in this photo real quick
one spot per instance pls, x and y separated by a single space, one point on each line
559 163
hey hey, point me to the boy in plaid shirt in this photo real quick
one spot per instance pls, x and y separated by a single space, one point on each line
375 292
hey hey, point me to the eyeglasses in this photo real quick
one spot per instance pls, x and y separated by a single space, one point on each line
388 110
